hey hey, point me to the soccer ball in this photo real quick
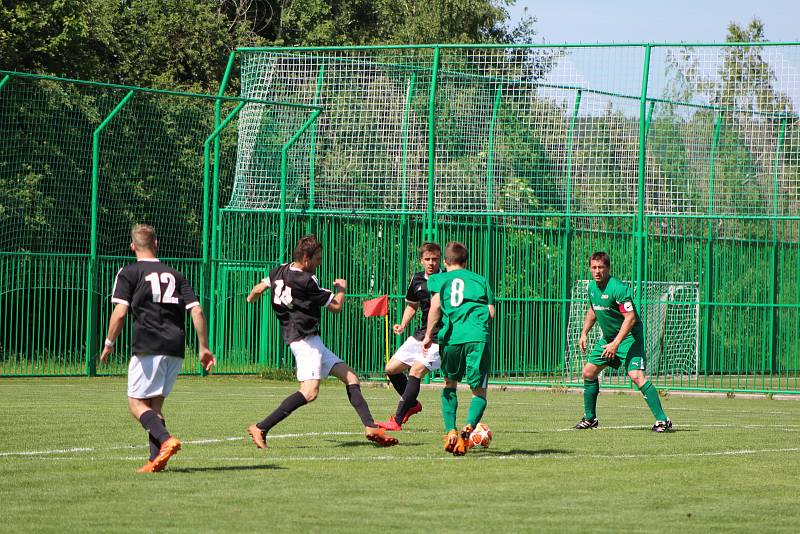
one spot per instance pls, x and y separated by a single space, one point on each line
481 437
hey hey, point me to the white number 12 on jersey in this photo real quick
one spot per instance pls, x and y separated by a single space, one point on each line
168 296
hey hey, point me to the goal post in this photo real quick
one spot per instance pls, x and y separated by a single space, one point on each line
670 315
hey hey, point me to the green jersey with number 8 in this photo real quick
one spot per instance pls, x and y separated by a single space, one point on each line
464 299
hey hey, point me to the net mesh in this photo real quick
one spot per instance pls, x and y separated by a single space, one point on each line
671 319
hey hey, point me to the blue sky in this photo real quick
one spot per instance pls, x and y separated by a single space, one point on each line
618 21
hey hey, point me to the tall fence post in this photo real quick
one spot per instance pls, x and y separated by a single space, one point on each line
430 231
211 267
404 224
708 279
91 312
207 282
774 259
641 256
566 236
489 237
312 153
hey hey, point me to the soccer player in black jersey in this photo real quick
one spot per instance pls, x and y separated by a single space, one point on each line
410 355
158 297
297 300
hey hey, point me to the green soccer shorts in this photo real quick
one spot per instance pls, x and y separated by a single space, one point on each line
467 362
630 351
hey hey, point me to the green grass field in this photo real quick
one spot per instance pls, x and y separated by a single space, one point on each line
69 451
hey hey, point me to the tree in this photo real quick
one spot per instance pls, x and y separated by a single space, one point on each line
184 43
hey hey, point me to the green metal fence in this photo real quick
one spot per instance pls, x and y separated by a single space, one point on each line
80 162
681 161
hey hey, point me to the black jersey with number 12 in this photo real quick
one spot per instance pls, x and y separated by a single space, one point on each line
157 296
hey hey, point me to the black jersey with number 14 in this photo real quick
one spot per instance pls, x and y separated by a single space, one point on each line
297 299
157 296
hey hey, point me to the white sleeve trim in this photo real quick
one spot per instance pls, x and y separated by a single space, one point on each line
192 305
120 301
330 299
266 281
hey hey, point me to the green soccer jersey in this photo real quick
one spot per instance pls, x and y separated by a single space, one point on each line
464 297
609 303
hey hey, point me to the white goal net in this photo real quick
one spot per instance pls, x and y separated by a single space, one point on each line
670 315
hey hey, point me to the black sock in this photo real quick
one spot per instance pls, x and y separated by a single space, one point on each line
409 398
360 404
153 424
399 381
289 404
155 446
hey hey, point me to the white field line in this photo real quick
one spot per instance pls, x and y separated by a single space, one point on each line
475 455
185 442
783 428
209 441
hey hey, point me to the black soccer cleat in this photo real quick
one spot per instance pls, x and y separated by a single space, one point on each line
662 426
586 424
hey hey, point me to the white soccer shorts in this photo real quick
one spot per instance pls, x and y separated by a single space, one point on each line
152 376
314 360
411 351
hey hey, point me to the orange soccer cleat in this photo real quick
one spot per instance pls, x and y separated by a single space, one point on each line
450 440
168 449
464 443
258 436
378 436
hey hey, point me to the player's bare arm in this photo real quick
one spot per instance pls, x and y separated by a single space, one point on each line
340 287
491 311
207 359
258 290
610 350
588 323
115 324
408 314
434 314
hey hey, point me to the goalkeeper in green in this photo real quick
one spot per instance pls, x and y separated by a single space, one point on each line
621 342
465 303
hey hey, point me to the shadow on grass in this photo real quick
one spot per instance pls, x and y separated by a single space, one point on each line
366 443
523 452
668 432
225 468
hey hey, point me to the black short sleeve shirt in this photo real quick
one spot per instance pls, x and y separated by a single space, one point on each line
297 300
157 297
417 293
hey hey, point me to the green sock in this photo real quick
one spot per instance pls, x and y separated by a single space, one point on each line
591 389
650 394
449 408
476 409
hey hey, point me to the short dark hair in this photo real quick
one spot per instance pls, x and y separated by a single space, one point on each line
456 253
143 237
307 247
429 246
600 256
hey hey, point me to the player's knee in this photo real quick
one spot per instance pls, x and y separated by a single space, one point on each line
588 373
479 392
310 395
418 372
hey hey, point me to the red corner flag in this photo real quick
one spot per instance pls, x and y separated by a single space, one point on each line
376 307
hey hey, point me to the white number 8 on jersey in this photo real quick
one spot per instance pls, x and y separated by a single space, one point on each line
456 292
